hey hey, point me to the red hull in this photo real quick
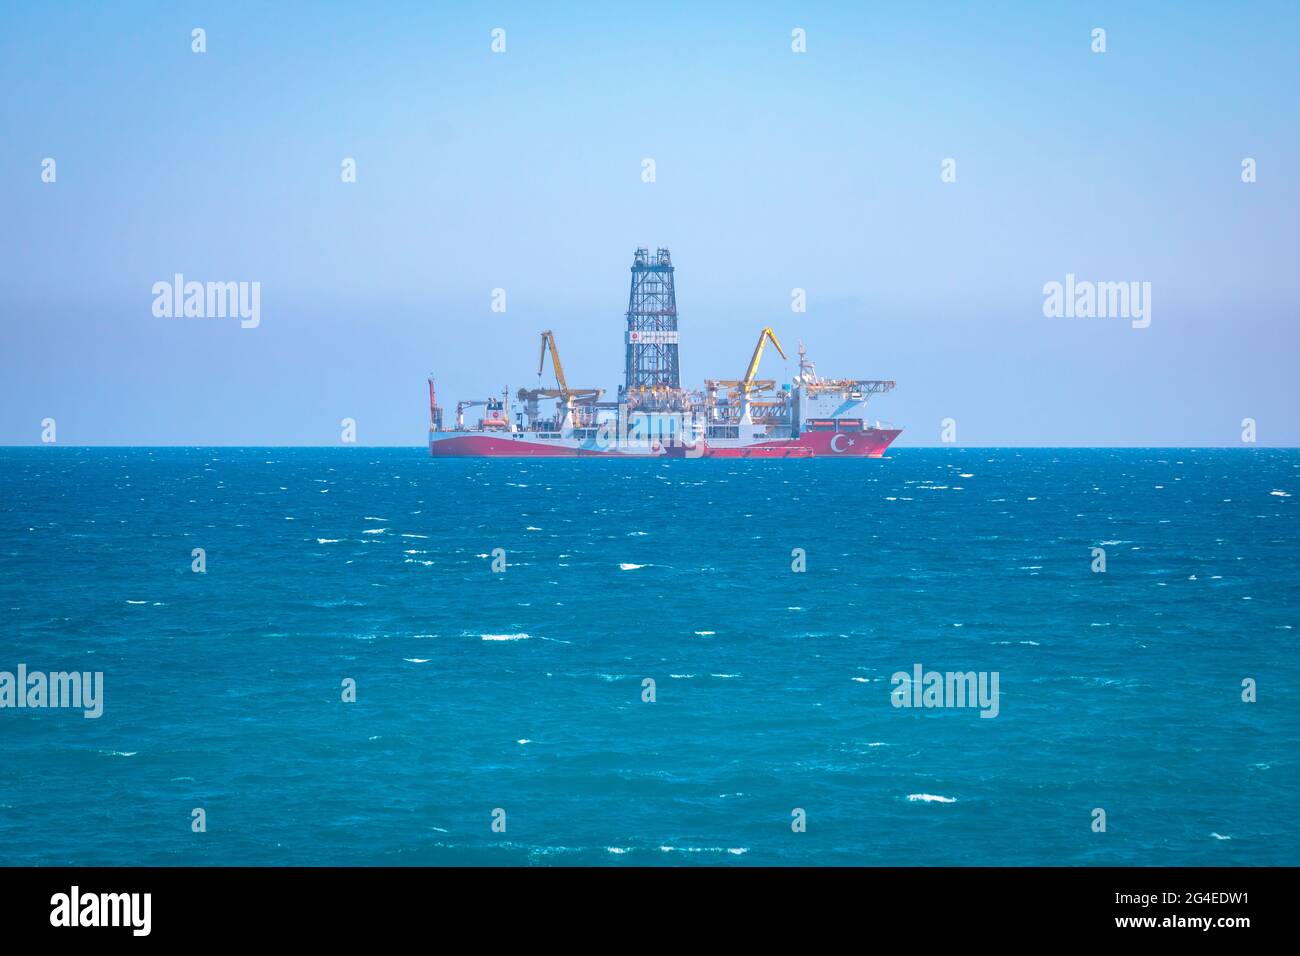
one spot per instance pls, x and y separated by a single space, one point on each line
870 443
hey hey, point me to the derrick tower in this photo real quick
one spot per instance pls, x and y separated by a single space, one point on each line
653 376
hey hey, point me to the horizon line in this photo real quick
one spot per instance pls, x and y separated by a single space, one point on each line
954 447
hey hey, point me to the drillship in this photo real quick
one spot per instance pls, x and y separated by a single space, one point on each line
653 416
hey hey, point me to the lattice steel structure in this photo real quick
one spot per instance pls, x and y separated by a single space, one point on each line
652 371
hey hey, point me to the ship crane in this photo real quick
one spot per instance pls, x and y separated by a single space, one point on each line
548 341
460 412
748 381
567 396
498 410
743 387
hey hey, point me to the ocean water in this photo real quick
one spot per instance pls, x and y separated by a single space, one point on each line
522 690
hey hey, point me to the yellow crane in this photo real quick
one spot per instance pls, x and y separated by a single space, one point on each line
566 395
742 388
749 383
548 341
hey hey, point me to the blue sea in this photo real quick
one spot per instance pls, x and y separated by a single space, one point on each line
517 695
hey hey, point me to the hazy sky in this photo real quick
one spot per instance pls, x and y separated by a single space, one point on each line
775 170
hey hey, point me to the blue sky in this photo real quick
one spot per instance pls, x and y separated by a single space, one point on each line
522 171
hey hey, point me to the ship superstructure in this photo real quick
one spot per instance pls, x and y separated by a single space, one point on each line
653 416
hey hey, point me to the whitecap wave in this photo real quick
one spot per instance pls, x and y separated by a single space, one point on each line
735 851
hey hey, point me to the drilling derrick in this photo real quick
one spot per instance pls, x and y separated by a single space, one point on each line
653 377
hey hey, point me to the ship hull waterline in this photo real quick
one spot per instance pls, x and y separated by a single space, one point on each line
868 443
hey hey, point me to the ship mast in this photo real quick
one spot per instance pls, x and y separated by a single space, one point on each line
807 368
